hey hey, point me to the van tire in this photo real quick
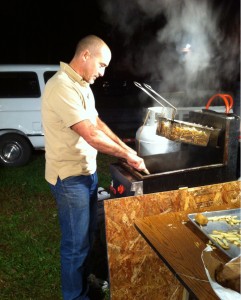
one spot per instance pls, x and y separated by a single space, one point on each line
15 150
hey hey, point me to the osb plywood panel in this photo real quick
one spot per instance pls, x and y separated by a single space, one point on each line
136 272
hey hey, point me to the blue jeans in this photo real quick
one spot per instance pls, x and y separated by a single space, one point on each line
76 199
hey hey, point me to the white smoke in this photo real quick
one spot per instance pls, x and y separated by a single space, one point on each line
159 54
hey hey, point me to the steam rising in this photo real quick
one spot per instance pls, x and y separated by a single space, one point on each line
155 33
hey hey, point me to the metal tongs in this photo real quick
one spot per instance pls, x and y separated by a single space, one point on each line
154 92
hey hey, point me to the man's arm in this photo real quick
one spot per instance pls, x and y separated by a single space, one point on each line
103 127
98 139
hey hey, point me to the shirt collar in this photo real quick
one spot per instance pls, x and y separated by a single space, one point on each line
72 74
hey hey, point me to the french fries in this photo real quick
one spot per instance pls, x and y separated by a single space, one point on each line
231 220
224 239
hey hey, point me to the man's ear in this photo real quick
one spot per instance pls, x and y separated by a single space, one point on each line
86 55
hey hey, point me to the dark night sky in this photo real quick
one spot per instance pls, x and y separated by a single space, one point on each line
32 31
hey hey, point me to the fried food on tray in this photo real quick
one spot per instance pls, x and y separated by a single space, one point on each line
225 239
201 219
231 220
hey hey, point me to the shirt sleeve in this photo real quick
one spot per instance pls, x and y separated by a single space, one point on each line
69 103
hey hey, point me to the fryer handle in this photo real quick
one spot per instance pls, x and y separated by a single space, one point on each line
228 100
149 94
151 89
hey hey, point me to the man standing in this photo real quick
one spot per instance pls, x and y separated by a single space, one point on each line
73 135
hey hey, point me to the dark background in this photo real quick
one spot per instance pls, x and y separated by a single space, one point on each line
46 32
40 32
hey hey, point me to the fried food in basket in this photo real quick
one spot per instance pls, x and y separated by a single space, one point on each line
184 133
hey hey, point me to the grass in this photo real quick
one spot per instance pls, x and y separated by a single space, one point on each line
29 231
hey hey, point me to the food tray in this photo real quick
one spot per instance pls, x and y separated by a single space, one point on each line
234 250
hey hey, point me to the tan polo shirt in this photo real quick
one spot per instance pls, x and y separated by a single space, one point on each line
67 100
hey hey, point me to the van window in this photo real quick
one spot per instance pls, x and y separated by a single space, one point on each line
48 75
19 85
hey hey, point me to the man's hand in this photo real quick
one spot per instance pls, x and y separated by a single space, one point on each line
136 162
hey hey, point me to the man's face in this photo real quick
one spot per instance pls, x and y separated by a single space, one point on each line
96 64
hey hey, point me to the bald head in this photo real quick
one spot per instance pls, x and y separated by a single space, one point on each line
92 56
92 43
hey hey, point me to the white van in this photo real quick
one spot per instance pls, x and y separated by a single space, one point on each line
21 88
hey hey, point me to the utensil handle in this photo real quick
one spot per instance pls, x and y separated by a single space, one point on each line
149 94
153 91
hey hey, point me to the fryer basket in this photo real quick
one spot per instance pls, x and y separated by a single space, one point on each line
186 132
